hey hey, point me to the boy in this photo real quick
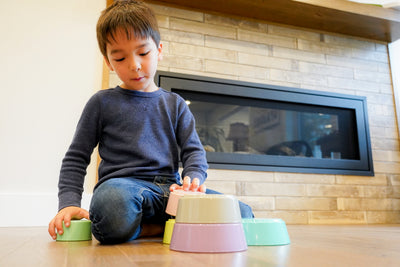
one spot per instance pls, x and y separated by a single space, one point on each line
141 130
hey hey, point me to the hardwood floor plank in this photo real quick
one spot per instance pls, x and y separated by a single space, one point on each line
311 245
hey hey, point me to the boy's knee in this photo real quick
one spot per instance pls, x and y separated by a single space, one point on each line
113 221
245 210
108 201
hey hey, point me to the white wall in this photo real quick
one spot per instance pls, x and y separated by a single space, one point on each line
49 66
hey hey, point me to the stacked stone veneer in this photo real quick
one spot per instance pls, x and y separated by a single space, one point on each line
240 49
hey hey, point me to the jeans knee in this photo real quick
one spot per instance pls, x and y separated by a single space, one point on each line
245 210
113 220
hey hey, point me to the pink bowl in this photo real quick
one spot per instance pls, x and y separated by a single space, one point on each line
208 238
173 200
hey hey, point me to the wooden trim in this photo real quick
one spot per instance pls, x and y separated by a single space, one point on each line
106 76
394 55
336 16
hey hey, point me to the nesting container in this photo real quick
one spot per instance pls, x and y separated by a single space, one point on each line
209 223
265 232
79 230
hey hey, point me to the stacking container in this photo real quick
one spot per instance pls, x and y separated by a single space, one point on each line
79 230
265 232
209 223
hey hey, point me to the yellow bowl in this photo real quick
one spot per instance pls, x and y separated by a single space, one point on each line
169 227
208 208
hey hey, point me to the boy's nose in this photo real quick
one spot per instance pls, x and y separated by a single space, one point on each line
135 65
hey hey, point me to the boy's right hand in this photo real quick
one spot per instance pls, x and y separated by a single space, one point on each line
65 215
189 185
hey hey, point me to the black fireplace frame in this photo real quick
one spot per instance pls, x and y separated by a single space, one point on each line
219 160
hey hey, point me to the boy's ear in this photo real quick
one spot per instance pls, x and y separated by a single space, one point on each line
160 54
108 64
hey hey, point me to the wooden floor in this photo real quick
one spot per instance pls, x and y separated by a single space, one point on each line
311 245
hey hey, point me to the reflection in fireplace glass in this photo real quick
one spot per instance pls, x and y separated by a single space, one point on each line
232 124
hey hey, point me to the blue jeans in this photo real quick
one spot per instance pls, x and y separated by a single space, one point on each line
120 206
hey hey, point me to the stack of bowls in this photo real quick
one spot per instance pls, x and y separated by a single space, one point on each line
171 209
208 223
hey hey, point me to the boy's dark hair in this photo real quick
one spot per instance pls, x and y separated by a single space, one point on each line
133 17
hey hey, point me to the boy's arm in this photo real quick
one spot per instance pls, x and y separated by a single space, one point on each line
193 156
77 158
74 166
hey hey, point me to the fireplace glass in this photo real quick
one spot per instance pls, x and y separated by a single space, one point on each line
263 127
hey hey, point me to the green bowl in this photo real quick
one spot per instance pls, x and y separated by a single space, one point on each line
79 230
265 232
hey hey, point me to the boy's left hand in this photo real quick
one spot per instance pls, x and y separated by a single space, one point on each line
189 185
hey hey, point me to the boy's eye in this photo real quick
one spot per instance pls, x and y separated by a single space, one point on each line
145 53
119 59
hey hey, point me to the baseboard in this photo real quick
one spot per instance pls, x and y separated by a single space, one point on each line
28 210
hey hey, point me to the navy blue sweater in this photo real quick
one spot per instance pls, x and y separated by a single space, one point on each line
139 134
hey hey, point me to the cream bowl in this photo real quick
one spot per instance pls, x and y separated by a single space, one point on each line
208 208
173 200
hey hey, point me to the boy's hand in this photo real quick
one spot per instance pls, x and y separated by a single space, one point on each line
189 186
66 214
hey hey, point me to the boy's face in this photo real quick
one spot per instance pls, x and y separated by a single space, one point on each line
134 60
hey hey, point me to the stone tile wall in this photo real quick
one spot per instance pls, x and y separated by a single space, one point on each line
242 49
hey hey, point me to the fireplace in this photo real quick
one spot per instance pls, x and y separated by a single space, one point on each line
263 127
